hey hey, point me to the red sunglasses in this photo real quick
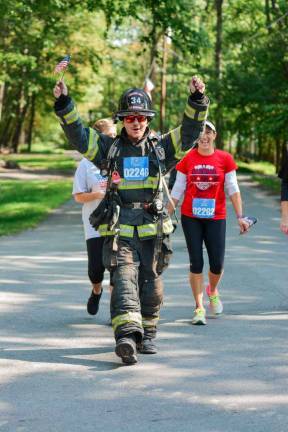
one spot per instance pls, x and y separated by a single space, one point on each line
132 118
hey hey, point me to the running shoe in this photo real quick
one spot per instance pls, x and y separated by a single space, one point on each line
215 304
199 317
93 303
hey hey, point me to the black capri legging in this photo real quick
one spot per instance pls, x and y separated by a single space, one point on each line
95 266
213 233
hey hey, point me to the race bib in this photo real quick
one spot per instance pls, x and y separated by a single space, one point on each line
203 208
136 168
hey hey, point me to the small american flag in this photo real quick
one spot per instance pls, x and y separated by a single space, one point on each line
62 65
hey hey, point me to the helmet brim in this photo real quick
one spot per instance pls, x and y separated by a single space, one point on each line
147 113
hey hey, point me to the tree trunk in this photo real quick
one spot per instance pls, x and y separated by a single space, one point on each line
154 43
11 112
284 150
163 86
19 124
218 73
277 154
267 13
31 123
2 90
260 146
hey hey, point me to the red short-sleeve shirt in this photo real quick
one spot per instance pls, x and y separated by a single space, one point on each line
205 179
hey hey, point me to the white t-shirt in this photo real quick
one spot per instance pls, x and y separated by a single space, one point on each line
87 179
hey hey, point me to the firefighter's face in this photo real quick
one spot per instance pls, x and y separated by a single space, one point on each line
135 126
206 140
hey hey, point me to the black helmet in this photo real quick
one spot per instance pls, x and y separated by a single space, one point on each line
135 100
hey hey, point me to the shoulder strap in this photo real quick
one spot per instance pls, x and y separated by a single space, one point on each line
114 149
113 152
160 177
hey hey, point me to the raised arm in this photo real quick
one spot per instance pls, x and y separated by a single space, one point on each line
93 145
178 141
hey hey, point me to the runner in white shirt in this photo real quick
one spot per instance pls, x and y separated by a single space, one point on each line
89 189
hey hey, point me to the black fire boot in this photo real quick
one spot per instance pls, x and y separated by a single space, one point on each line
148 346
93 303
126 349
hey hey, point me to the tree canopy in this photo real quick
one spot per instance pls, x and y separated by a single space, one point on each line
238 47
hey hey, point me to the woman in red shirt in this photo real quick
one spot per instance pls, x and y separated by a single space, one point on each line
202 176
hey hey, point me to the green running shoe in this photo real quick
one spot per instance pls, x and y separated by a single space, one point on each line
199 317
215 304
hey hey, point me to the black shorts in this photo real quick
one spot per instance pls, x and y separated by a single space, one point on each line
212 233
95 266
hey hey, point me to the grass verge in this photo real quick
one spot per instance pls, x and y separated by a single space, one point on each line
263 173
38 161
25 203
271 184
261 167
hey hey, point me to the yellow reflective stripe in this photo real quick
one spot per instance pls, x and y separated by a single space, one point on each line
126 230
71 117
149 183
168 226
176 141
60 120
147 230
202 115
103 230
128 317
150 322
195 114
190 112
92 145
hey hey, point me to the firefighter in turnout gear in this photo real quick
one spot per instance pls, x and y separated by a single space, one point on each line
137 246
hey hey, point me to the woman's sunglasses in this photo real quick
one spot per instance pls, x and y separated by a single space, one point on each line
132 118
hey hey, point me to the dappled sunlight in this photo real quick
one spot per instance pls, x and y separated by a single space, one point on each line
53 341
179 266
70 307
25 259
278 316
8 299
60 281
11 282
235 364
245 402
51 360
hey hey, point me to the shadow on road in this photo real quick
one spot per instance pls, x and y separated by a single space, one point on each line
73 356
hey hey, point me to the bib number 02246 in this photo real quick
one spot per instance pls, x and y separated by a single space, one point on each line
136 168
135 173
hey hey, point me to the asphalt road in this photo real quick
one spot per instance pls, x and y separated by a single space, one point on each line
58 371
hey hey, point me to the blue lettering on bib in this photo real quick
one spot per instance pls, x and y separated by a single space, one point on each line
136 168
203 208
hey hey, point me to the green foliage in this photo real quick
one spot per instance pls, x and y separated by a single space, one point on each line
113 42
53 162
261 167
25 203
271 184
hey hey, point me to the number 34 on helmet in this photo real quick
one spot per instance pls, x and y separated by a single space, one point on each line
134 100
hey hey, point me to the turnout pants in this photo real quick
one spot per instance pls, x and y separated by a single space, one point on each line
138 290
